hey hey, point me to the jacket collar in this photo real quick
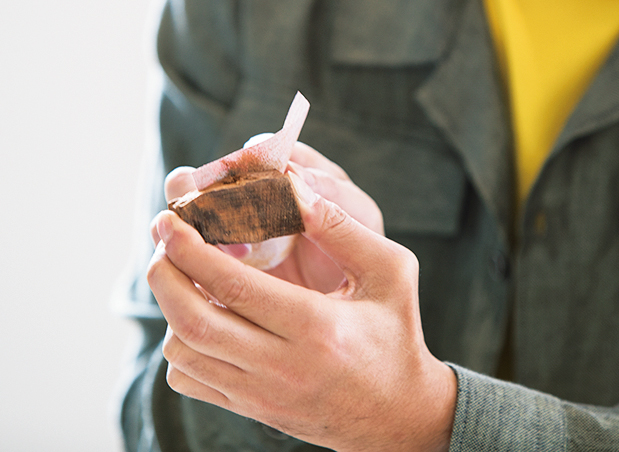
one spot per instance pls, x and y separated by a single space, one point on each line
598 108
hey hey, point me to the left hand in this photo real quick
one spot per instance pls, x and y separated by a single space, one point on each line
348 370
307 265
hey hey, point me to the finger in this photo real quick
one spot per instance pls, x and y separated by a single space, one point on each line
154 235
262 299
213 372
206 327
308 157
344 193
178 182
190 387
365 257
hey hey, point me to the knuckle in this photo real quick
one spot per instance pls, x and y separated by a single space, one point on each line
155 267
177 248
170 350
335 345
194 330
334 219
330 341
233 290
406 264
174 378
402 271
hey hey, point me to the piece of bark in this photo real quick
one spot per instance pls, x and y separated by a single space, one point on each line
249 208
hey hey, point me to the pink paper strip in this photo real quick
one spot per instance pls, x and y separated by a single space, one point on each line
271 154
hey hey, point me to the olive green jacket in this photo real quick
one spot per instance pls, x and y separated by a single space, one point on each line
407 98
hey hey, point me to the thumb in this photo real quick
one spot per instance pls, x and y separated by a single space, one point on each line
362 254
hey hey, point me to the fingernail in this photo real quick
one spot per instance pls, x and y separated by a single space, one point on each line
164 227
303 191
304 174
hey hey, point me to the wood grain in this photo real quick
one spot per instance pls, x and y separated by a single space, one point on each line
249 208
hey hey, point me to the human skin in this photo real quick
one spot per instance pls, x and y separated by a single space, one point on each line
329 348
307 266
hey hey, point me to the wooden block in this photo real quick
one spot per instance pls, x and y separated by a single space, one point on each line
245 209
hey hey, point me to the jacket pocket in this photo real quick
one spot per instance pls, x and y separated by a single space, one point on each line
380 57
415 179
414 176
392 33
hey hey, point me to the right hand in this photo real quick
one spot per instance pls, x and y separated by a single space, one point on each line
348 370
307 265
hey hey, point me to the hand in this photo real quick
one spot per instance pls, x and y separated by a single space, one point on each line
307 265
348 370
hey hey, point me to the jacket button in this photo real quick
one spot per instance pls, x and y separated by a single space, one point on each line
499 266
540 224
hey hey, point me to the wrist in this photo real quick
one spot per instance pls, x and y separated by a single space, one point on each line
444 409
424 424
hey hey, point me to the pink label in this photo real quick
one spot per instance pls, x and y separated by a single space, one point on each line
271 154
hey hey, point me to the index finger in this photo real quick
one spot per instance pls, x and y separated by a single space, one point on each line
264 300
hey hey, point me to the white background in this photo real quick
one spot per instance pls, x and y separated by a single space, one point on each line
72 126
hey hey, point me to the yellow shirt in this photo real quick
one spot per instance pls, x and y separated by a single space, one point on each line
549 52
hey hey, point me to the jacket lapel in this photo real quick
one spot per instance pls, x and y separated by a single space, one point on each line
598 108
464 97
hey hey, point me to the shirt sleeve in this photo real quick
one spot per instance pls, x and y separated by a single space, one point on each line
493 415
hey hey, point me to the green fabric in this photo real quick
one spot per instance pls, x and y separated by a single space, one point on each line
406 96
